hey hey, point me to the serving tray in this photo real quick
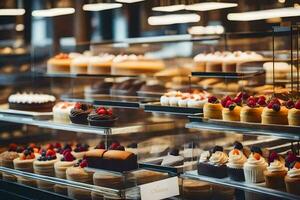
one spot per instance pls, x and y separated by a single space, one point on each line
157 107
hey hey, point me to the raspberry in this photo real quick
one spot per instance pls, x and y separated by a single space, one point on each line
50 153
262 97
101 111
114 146
212 99
252 99
276 107
275 101
68 156
273 156
290 104
224 101
109 112
251 103
66 151
261 102
83 164
237 100
297 106
12 147
57 145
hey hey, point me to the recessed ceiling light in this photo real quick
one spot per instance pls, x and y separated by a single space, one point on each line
172 8
264 14
173 19
53 12
129 1
12 12
101 6
206 6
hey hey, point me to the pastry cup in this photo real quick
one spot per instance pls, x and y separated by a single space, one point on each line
292 185
212 111
231 115
269 116
251 114
294 117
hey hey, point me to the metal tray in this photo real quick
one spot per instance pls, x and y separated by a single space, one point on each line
157 107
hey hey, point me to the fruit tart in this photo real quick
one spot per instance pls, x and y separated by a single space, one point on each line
102 117
274 113
252 111
80 112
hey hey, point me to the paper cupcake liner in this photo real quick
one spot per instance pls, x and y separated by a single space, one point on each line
254 175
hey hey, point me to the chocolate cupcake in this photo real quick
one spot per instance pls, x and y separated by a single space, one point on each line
102 117
236 163
80 112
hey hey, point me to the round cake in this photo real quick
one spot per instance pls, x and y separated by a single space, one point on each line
271 116
61 111
100 64
31 102
294 116
59 64
79 65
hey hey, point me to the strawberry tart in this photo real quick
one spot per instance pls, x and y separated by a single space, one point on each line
252 111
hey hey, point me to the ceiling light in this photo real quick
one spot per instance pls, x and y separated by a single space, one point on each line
101 6
172 8
173 19
53 12
129 1
210 6
281 1
206 30
12 12
264 14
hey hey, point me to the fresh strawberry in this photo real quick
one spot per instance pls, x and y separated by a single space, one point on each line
262 97
237 100
50 152
297 105
290 104
13 147
102 111
83 163
77 105
224 101
228 103
251 103
66 151
109 112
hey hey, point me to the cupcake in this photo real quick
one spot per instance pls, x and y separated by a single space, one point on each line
102 117
79 174
25 163
275 173
212 109
252 111
80 150
274 113
80 112
44 165
292 179
255 166
231 109
294 113
236 161
6 160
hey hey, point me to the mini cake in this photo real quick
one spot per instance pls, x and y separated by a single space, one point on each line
25 163
44 165
173 159
292 179
79 174
231 110
275 173
102 117
196 190
274 113
236 163
108 179
294 114
100 64
213 62
143 176
61 111
255 166
59 64
80 150
6 160
184 99
80 112
216 164
212 109
196 101
31 102
165 99
253 110
79 65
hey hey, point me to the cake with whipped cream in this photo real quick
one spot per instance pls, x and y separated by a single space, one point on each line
61 111
60 63
79 64
100 64
31 102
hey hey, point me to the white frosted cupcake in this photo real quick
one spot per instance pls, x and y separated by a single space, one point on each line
254 168
235 165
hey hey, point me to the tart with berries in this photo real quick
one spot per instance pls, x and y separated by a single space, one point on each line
212 109
80 150
80 112
102 117
274 113
231 109
252 111
68 160
294 113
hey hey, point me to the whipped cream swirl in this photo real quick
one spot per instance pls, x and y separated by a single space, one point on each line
236 160
294 172
276 166
218 158
253 162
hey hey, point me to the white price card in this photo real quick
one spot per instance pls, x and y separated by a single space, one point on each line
160 189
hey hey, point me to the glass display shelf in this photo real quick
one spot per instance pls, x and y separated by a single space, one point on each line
280 131
143 126
228 75
256 188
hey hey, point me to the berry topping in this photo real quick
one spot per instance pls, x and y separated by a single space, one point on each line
101 111
212 99
256 149
290 158
83 163
66 151
174 152
256 156
297 105
262 98
81 147
109 111
262 101
242 95
224 101
290 104
50 152
217 148
251 103
237 100
68 156
272 102
297 165
57 145
77 105
120 148
13 147
20 149
101 145
114 146
276 107
273 156
235 152
238 145
50 146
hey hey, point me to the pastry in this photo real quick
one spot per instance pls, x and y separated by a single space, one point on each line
80 112
294 114
231 109
108 179
173 159
196 190
129 87
236 161
6 160
212 109
59 64
44 165
61 112
80 150
144 176
165 99
31 102
292 179
102 117
100 64
282 70
100 87
25 163
79 65
79 174
275 173
253 110
255 166
274 113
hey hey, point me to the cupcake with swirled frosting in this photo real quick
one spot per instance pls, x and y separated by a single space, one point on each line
292 179
275 173
255 166
236 161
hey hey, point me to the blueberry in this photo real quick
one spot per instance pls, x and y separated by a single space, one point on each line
256 149
238 145
217 148
44 159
